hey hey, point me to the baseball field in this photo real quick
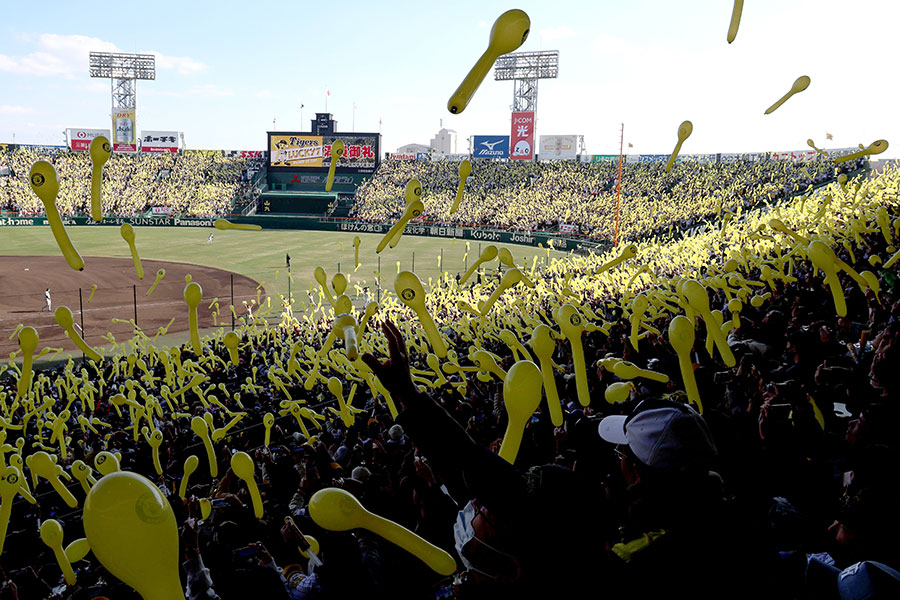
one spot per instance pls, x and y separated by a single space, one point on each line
253 262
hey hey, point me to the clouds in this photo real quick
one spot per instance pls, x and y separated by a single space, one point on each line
6 109
57 55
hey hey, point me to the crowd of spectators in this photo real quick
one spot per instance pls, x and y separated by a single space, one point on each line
189 183
779 490
533 196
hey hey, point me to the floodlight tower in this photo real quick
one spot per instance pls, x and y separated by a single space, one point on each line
524 69
123 71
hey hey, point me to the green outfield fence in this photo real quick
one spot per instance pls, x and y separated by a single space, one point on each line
563 242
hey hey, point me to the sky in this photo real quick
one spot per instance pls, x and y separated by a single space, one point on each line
227 70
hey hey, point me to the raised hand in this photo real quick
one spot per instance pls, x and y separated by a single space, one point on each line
393 373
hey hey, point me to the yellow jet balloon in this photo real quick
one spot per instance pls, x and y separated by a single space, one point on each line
521 396
487 255
131 529
543 345
510 31
128 235
876 147
243 467
159 276
65 320
337 510
681 338
45 184
223 225
571 324
100 152
412 211
800 84
465 169
684 132
193 296
190 465
28 343
337 152
735 20
410 291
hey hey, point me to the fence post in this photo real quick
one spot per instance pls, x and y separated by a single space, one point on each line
413 262
339 266
378 281
232 301
81 316
134 292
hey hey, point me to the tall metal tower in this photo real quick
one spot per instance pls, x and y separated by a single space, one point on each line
524 69
123 70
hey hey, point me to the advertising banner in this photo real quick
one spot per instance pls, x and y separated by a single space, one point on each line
80 139
396 156
595 158
298 150
490 146
159 141
124 130
558 147
521 138
795 155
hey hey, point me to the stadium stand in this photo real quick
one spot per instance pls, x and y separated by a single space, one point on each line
789 470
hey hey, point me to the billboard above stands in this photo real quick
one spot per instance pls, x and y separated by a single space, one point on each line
490 146
595 158
795 155
80 139
124 130
402 156
300 150
558 147
450 157
521 138
244 153
160 141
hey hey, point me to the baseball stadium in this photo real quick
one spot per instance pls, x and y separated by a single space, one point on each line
320 368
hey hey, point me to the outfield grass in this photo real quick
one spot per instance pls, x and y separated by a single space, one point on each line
261 255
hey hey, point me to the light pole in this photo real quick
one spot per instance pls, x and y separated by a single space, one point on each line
301 116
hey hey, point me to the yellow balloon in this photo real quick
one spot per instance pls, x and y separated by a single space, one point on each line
337 510
106 463
44 465
822 257
618 392
322 280
205 508
45 184
339 283
337 152
100 152
696 296
356 242
684 132
543 346
465 169
159 276
190 465
268 421
231 341
83 474
223 225
627 370
243 467
735 20
800 84
876 147
127 232
681 337
28 343
487 255
410 291
571 324
52 536
510 279
10 485
630 251
521 396
132 532
65 320
201 430
394 233
510 31
193 295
